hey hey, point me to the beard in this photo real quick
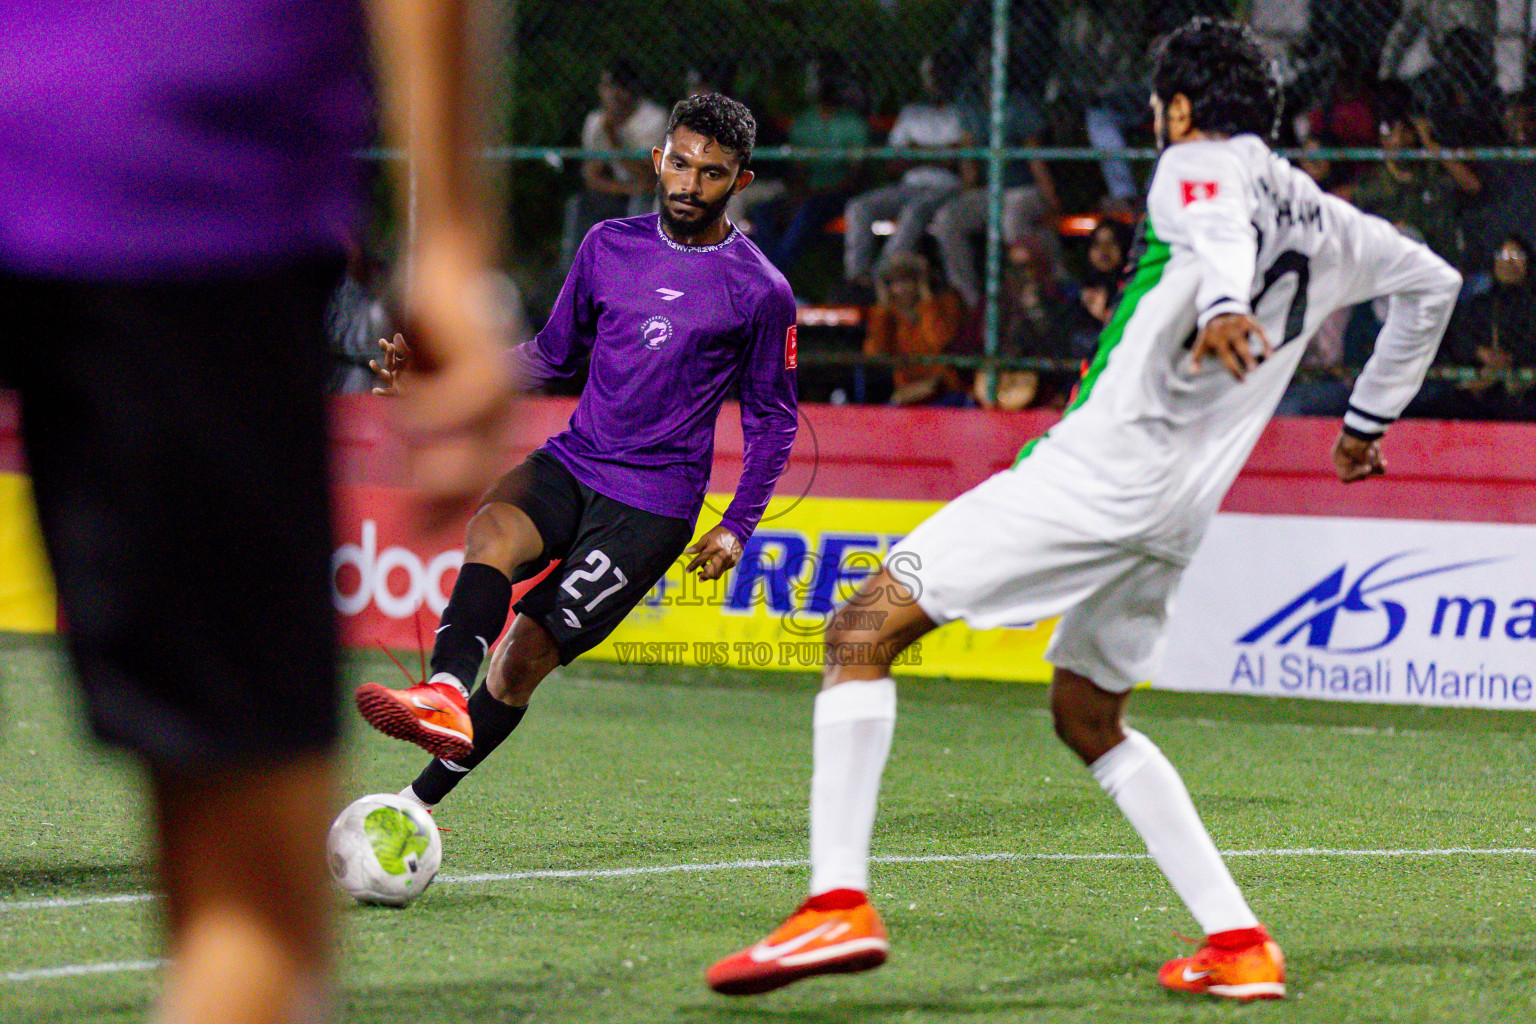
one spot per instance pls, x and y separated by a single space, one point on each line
700 217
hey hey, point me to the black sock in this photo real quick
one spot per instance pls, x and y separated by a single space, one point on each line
493 722
474 618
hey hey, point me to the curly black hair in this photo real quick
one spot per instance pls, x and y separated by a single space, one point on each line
720 118
1220 69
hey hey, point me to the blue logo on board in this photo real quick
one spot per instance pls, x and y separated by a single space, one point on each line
1372 614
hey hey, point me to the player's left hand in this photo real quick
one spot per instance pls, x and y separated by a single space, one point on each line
397 356
1355 459
1226 338
714 553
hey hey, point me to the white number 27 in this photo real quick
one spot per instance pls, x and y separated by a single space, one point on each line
600 563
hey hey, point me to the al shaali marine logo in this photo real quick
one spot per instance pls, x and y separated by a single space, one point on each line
1317 610
656 331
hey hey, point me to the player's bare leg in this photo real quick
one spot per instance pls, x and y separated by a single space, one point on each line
1238 961
521 662
250 939
436 715
836 930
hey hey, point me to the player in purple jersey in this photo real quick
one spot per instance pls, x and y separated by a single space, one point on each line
672 310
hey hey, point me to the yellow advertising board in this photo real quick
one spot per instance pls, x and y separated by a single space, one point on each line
806 557
27 602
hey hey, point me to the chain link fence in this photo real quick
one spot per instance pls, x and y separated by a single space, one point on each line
986 159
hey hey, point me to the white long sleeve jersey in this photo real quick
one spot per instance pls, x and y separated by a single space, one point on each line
1151 445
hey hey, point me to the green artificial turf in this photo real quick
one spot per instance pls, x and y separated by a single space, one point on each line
694 771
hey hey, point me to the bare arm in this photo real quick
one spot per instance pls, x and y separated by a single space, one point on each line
594 174
459 392
1465 177
970 170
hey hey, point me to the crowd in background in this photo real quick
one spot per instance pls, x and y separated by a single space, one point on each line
902 241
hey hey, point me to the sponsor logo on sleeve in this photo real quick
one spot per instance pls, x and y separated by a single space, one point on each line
791 348
1194 191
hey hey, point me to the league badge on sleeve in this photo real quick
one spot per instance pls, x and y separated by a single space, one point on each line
791 347
1194 191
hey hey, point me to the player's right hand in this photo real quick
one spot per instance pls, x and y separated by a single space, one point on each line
1356 459
1226 338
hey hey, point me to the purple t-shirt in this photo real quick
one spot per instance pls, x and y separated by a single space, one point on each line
145 139
670 328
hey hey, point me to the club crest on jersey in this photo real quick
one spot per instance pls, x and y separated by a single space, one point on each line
1194 191
656 331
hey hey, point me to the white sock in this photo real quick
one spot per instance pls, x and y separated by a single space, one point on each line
409 792
853 724
452 680
1150 793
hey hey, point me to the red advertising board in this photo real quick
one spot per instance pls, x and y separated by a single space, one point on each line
390 576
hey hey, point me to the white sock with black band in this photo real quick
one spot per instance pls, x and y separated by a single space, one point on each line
853 724
1151 795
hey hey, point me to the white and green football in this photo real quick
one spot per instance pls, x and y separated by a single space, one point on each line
384 849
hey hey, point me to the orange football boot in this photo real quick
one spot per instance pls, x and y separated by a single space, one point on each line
1244 963
833 941
434 716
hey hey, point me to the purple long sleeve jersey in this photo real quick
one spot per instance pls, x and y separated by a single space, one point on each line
669 329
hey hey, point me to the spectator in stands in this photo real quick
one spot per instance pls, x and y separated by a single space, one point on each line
1337 177
913 318
1030 205
621 186
924 186
1033 31
1347 116
1496 331
355 320
1509 187
820 189
1443 34
1105 71
1426 196
1037 322
1108 247
1319 389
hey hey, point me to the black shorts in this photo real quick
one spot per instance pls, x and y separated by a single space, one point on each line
611 554
176 438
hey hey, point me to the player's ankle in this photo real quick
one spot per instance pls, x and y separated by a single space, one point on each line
837 899
1237 938
449 679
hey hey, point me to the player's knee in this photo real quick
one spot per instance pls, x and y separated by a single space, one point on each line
515 679
502 536
1087 733
1086 719
521 663
853 623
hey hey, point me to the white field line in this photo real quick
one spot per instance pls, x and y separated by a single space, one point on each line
78 970
745 865
127 966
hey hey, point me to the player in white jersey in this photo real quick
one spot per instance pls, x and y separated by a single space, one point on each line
1241 259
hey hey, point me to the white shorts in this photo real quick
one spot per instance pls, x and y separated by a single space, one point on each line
1006 553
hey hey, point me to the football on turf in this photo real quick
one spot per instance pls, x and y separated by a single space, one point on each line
384 849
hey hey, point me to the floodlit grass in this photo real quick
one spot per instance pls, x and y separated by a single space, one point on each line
655 768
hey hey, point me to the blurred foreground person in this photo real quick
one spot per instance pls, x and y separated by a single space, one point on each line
178 179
